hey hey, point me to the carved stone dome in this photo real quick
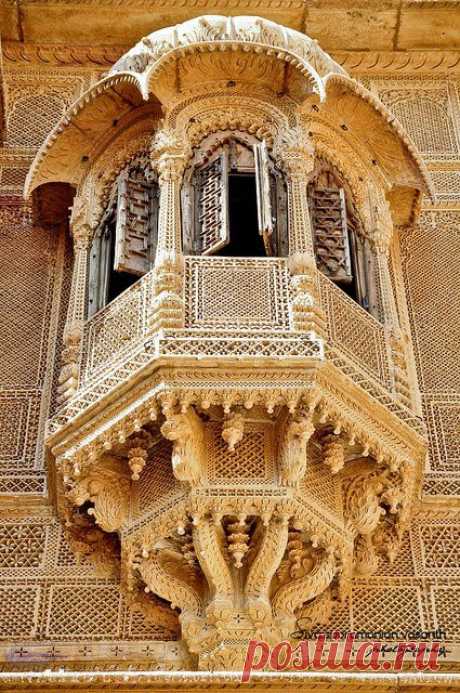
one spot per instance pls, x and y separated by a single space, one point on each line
222 32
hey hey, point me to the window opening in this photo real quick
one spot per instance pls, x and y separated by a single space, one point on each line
124 246
342 251
234 204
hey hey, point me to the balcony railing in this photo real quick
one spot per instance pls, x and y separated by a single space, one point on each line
237 294
355 333
115 332
234 307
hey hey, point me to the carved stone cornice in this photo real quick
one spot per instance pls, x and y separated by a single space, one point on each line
65 56
138 679
399 62
357 62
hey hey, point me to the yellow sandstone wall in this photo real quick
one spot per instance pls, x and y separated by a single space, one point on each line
54 607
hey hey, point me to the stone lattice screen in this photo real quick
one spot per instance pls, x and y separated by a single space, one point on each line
430 110
50 600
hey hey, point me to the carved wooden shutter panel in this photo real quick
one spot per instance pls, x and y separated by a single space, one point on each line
329 220
99 263
212 223
188 217
282 242
264 193
136 227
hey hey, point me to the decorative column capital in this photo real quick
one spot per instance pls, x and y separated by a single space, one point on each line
80 225
169 155
296 165
295 154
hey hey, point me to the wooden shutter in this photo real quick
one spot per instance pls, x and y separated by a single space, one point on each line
329 219
136 225
188 217
264 194
212 222
99 268
281 217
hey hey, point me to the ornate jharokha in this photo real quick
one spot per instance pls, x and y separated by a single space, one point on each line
238 436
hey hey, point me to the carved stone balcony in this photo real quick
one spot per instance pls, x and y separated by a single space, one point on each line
239 469
237 439
238 313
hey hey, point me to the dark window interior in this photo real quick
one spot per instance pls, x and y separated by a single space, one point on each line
245 240
117 281
350 289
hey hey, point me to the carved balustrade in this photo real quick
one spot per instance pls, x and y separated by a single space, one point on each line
237 309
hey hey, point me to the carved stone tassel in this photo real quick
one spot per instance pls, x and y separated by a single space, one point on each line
233 430
333 453
238 540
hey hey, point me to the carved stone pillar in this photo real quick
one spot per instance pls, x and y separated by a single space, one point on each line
306 314
397 341
170 157
299 167
70 358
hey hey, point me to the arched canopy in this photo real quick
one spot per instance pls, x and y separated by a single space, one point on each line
225 33
145 78
66 153
69 149
360 116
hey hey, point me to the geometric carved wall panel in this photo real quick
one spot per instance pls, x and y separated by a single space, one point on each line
46 593
19 420
35 108
22 545
440 549
446 184
26 283
12 421
387 607
254 464
19 611
443 418
42 110
255 297
90 611
430 259
430 263
424 108
445 600
29 285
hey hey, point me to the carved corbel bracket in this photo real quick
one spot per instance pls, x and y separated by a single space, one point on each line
305 574
233 429
333 451
209 542
271 549
186 432
107 487
373 503
294 433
